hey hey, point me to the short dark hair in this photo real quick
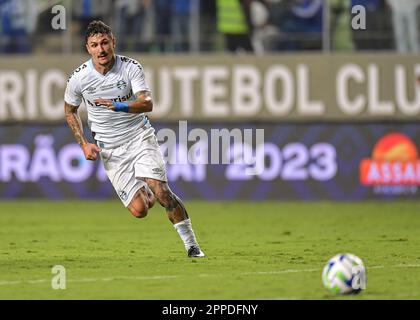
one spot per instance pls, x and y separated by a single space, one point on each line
97 27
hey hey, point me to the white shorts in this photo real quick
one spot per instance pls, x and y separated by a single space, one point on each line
127 164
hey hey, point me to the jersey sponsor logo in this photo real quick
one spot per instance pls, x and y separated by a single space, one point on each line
108 86
124 98
117 99
120 85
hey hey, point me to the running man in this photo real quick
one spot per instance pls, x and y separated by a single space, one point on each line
117 97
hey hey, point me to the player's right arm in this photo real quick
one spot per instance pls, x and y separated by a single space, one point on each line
90 150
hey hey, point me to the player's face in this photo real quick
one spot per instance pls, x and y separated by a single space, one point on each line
101 47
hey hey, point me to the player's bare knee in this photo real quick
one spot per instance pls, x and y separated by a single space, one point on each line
139 206
139 213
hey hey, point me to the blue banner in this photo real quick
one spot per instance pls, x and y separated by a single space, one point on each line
297 162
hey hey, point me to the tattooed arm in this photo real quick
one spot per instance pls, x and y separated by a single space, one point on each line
90 150
143 103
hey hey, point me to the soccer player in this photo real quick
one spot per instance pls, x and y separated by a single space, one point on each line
117 97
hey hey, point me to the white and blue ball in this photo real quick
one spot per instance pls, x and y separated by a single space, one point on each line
344 273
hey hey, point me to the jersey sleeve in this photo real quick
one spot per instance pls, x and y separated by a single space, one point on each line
73 94
137 78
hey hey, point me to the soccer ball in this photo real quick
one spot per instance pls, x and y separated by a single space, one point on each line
344 274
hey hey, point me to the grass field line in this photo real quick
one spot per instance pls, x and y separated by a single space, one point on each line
279 271
168 277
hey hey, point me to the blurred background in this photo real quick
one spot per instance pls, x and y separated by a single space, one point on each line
335 85
208 26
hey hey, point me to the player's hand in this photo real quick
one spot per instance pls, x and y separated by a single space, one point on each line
91 151
105 102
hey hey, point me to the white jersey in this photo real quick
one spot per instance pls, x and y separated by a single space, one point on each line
121 83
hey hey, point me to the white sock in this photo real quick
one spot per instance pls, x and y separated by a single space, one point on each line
186 233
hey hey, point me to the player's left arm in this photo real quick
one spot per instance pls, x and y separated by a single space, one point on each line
143 103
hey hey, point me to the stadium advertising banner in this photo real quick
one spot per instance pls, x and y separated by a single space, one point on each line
297 87
299 162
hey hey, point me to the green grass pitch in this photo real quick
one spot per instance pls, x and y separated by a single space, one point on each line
264 250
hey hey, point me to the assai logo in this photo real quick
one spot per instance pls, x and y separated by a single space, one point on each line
394 167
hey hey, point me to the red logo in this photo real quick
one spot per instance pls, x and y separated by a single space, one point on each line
394 162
